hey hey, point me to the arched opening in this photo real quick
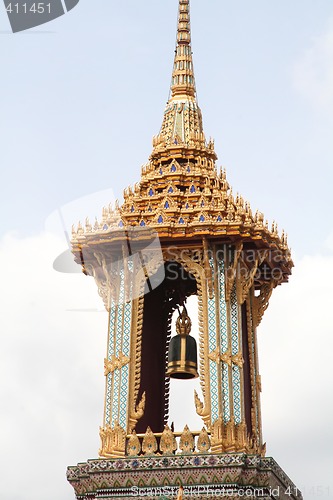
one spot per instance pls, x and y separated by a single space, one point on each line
181 400
159 306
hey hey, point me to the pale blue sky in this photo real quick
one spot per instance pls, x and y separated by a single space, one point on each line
80 101
80 104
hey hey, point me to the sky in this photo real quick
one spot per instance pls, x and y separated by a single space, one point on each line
81 99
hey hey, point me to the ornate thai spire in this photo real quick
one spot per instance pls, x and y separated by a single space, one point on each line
182 123
183 82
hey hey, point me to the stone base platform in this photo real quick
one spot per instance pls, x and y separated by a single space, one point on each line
203 476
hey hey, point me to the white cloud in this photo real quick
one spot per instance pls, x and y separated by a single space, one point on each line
296 344
313 73
329 242
51 367
51 370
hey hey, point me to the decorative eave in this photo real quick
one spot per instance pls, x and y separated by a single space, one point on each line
182 202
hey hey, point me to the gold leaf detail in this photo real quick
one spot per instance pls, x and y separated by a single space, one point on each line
232 272
246 281
261 302
230 441
149 444
241 438
133 445
217 436
203 443
227 358
115 363
113 441
200 408
168 444
238 360
215 356
186 443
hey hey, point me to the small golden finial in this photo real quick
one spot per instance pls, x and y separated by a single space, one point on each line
283 238
183 323
88 225
183 82
180 493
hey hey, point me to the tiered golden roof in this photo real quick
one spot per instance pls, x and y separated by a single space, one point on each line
181 195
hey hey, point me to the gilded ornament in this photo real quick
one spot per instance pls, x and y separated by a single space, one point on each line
113 441
259 388
168 443
262 450
133 448
227 358
261 302
115 363
138 412
215 356
231 271
199 406
238 360
203 443
149 443
246 281
208 269
186 443
230 436
217 436
182 196
242 444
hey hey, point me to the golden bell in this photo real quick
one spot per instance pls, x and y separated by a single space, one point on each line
182 358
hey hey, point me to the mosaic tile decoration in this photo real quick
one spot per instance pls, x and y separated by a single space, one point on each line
111 352
236 377
213 371
137 477
224 338
119 343
115 397
252 335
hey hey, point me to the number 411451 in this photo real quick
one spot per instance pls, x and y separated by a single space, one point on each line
35 8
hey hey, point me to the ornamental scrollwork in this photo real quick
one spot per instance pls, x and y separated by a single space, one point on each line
113 441
261 302
115 363
227 358
168 443
246 280
137 413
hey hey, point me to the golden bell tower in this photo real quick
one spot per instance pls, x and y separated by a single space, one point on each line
181 232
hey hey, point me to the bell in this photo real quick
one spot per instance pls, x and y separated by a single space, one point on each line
182 358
